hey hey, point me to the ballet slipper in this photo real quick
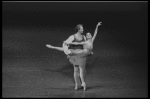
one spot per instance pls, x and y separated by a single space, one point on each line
49 46
84 86
76 87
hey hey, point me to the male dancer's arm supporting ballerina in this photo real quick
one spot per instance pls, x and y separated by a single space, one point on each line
88 44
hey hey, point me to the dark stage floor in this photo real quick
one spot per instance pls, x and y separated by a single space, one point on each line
53 77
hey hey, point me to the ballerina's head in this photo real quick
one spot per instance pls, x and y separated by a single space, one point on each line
88 36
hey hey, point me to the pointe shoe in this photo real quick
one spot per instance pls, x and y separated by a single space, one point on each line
49 46
76 88
84 86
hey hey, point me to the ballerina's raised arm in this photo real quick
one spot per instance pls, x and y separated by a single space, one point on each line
95 33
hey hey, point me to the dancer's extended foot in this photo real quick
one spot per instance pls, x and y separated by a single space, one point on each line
76 87
49 46
84 86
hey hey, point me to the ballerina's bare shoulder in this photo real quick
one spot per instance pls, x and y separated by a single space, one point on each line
88 45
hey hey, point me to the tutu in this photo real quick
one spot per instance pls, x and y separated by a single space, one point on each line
76 60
